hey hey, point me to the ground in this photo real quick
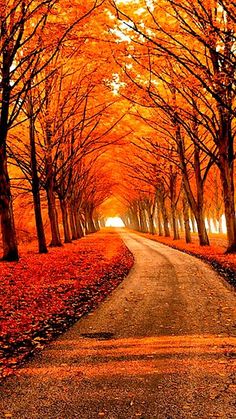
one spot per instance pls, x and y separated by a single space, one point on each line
162 345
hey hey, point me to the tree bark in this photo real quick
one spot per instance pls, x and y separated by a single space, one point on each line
161 198
65 221
173 199
79 225
134 219
181 222
53 217
150 215
90 226
196 205
193 222
227 179
74 235
143 219
186 220
10 248
42 246
159 223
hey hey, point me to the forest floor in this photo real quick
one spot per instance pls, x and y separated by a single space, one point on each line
41 295
225 264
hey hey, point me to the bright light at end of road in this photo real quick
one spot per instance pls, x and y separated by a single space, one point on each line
114 222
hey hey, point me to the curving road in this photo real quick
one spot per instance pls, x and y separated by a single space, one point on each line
163 345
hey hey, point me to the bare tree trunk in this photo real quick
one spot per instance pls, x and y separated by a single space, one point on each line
164 213
90 227
159 223
220 226
193 221
143 219
79 225
73 229
103 224
201 227
42 246
209 224
96 223
10 249
53 217
214 220
151 224
181 222
227 179
65 221
197 204
134 220
186 220
173 199
151 228
36 187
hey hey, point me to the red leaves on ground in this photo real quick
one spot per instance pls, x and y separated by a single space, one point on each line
42 294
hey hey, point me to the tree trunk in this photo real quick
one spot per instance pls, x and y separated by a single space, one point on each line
227 179
173 199
174 223
151 224
220 225
197 204
96 224
10 249
52 210
181 222
65 221
103 224
42 246
90 227
134 220
143 220
151 228
164 213
186 220
193 222
214 220
209 224
79 225
53 217
74 235
159 223
201 227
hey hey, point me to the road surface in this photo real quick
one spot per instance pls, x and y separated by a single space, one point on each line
163 345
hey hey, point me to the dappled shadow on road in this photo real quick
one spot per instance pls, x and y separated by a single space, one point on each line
88 358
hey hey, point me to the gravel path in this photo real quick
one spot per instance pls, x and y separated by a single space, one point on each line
163 345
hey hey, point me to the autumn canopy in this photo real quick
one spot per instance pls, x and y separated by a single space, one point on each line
116 109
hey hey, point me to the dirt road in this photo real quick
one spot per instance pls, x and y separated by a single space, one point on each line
163 345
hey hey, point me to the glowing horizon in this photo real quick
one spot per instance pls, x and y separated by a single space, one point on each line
114 222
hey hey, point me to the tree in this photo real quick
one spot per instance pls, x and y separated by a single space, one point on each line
198 37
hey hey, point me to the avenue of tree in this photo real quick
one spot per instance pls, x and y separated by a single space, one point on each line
116 108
